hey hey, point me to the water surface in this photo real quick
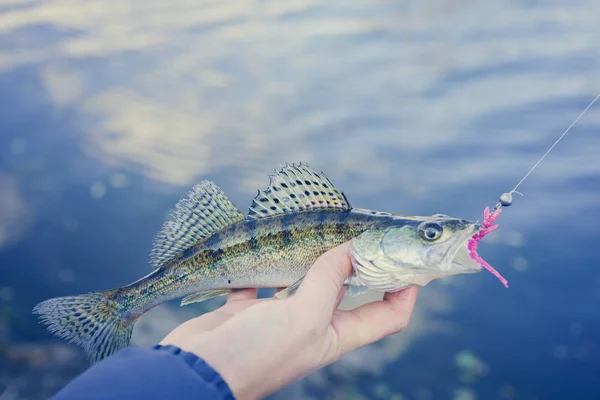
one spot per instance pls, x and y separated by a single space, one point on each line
112 110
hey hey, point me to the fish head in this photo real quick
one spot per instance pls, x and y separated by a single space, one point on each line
405 251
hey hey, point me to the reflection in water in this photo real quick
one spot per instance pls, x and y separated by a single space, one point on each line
15 217
268 83
409 107
169 144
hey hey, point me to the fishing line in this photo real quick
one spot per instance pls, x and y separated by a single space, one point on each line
489 217
506 198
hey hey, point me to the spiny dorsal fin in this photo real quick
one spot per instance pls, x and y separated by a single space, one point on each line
297 188
205 211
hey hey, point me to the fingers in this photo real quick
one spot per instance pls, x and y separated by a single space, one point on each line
374 321
194 326
340 296
321 287
242 294
209 321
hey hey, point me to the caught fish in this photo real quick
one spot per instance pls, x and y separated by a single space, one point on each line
210 248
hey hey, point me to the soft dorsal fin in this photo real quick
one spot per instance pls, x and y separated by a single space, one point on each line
297 188
205 210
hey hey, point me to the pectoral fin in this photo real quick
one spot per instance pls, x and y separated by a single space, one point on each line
355 286
204 295
356 290
290 290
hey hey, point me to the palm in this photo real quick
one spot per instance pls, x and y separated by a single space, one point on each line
248 339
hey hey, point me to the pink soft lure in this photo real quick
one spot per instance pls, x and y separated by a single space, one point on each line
486 227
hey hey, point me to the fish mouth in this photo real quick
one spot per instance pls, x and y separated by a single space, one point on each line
389 276
461 261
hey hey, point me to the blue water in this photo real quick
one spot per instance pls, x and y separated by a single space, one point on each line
111 111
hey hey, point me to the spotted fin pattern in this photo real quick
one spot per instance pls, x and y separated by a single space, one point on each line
91 321
205 210
297 188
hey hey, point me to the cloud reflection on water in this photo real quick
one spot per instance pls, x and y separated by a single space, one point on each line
405 99
182 91
15 215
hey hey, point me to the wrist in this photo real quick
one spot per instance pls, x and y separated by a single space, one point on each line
206 371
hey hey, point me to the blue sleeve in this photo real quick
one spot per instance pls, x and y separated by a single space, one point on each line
161 372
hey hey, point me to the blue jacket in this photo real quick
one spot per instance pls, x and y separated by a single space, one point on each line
162 372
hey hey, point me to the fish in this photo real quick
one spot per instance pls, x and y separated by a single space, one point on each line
209 248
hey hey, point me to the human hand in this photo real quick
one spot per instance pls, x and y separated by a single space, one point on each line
260 345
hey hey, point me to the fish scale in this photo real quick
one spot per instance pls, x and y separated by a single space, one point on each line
209 248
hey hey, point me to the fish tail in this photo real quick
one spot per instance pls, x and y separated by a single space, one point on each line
94 321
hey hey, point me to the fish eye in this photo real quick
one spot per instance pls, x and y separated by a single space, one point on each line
430 231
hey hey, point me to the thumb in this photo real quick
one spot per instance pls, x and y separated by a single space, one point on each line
321 286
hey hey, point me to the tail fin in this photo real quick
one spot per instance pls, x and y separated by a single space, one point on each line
91 321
